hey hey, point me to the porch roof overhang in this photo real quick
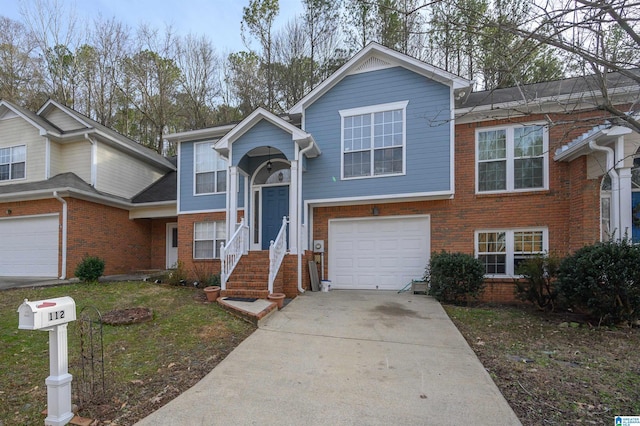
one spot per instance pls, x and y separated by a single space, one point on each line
299 136
604 133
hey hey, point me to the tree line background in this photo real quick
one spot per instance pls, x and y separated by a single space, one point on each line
145 81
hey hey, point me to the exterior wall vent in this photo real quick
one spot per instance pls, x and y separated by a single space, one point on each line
372 64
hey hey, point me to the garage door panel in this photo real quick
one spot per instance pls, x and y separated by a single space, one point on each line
381 253
29 246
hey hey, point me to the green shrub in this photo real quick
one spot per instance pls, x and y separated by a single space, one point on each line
538 272
454 277
603 280
90 268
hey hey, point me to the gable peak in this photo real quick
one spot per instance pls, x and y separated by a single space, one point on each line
372 63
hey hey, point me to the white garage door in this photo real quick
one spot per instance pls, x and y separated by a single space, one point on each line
378 253
29 246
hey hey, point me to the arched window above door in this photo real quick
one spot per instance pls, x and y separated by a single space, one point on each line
279 173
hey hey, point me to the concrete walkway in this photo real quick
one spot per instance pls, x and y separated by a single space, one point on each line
346 357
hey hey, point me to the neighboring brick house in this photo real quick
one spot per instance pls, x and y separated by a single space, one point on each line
70 187
391 159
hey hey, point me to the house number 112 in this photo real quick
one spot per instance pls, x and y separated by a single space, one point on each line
56 315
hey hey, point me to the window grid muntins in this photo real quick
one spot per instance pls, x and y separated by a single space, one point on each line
373 143
13 162
502 251
207 237
210 170
511 159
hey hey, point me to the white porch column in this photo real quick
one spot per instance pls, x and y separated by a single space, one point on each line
626 217
232 207
293 208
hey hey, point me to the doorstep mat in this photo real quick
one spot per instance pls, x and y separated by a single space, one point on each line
240 299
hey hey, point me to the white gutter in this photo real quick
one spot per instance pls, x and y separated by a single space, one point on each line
63 275
615 184
299 224
94 159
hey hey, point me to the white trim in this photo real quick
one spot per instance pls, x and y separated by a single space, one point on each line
216 247
169 241
202 211
179 172
10 148
509 246
391 198
47 158
29 216
509 159
215 171
452 143
373 109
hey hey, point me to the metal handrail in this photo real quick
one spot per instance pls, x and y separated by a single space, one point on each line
231 254
277 250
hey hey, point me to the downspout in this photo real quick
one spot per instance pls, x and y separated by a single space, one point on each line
63 275
299 224
615 184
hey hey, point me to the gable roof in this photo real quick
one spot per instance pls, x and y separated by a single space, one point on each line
164 189
298 135
34 119
375 56
110 136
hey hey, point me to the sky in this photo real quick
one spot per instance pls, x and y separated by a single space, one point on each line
219 20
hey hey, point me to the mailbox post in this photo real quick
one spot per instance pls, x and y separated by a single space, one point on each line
53 315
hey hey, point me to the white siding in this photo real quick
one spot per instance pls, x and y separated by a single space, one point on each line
63 121
122 175
56 160
76 158
16 131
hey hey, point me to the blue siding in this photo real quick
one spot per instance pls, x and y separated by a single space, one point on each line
260 135
188 201
428 135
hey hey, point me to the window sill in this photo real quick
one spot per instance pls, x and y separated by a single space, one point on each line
511 193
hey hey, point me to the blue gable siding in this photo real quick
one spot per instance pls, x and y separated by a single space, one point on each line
260 135
428 135
189 201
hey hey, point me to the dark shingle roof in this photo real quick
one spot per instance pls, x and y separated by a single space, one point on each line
164 189
63 180
547 89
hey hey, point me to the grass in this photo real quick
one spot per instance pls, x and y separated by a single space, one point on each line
146 364
555 369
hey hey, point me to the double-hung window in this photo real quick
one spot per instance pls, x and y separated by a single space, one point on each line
502 251
207 237
512 158
210 170
373 140
13 162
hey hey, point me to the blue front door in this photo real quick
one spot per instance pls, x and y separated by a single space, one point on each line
275 205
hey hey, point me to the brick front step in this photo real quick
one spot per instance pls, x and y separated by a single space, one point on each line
244 292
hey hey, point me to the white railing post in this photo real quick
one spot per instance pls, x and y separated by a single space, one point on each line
277 250
231 253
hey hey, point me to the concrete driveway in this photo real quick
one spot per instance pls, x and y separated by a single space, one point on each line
15 282
346 357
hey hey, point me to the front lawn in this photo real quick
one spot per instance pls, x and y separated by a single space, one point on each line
146 364
555 369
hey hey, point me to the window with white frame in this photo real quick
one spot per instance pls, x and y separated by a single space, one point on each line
502 251
511 158
210 170
373 140
207 237
13 162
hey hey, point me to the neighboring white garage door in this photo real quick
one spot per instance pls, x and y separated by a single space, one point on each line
378 253
29 246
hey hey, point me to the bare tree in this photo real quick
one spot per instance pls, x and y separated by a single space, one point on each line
20 76
199 83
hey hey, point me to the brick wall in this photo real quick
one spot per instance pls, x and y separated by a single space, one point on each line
569 209
185 244
107 232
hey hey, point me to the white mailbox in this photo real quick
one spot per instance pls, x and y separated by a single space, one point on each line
43 314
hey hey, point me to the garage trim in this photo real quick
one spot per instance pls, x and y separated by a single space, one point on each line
52 230
399 250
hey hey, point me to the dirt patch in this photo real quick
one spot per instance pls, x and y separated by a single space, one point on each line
555 369
127 316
